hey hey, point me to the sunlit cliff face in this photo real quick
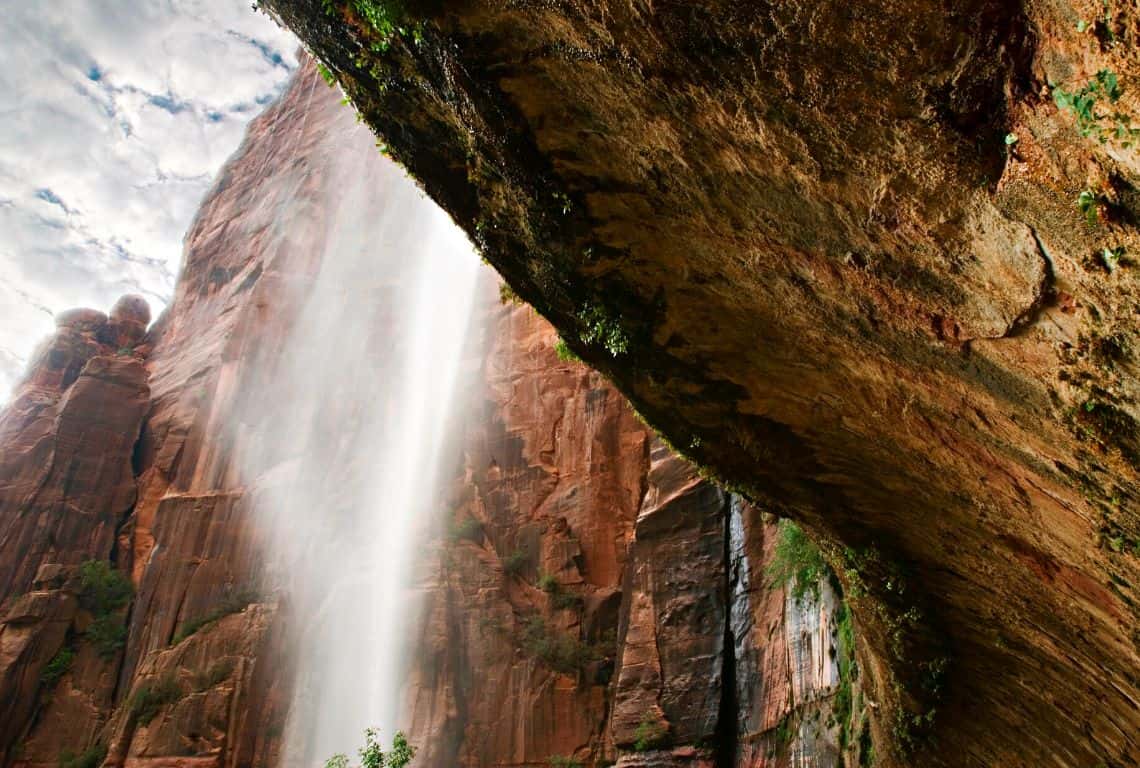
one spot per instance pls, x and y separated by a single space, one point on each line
343 442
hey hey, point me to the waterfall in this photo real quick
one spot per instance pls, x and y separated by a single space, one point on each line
343 442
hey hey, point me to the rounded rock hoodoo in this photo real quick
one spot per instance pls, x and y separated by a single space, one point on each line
128 321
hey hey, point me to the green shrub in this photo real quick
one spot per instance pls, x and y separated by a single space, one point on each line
372 754
1092 123
92 757
57 667
559 597
516 562
599 327
845 660
649 734
151 698
796 562
102 589
548 583
469 528
218 673
385 20
108 634
234 603
558 651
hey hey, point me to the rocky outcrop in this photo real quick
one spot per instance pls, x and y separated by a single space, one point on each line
590 597
580 606
66 484
869 262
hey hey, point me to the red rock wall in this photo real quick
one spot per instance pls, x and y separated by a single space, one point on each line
579 603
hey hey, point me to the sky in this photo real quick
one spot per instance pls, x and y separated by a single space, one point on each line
115 115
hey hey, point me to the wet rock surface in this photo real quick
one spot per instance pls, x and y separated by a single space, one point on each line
580 583
834 253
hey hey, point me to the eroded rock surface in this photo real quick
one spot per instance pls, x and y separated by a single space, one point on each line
585 599
833 251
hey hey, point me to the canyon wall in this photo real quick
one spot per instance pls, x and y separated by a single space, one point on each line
872 264
589 596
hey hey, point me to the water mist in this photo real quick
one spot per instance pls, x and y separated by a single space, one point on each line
344 446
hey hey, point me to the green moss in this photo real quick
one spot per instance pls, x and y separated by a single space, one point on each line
565 354
797 562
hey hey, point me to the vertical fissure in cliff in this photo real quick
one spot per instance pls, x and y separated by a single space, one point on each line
728 715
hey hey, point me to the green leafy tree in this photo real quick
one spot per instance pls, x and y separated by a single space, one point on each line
372 754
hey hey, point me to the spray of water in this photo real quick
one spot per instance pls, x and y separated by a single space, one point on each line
343 445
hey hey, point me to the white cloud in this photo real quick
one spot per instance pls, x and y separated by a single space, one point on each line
114 117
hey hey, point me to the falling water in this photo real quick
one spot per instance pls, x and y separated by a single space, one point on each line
349 435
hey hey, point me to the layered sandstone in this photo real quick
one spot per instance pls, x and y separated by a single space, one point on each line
590 597
834 251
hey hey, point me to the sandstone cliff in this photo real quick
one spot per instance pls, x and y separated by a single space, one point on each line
873 263
590 598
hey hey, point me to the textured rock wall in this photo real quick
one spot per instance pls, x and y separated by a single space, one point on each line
834 251
580 602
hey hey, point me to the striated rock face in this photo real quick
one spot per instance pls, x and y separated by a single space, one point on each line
590 597
580 604
834 251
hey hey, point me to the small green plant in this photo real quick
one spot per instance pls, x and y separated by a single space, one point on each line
218 673
57 667
372 754
559 597
516 562
385 20
548 583
102 589
797 562
649 734
468 528
598 327
507 295
1092 123
151 698
1088 203
233 603
92 757
565 354
108 634
103 592
1111 257
558 651
326 75
845 661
